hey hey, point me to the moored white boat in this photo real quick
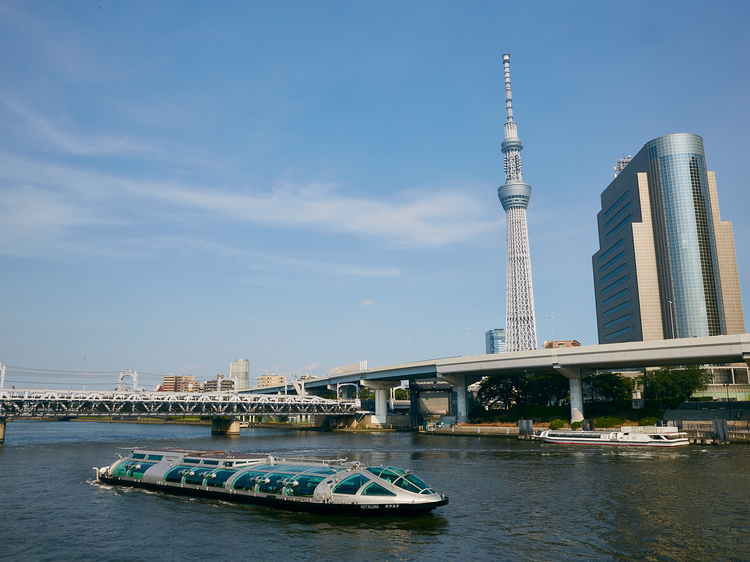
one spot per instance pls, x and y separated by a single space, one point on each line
634 436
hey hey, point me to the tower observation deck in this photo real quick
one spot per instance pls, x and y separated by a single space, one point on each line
520 325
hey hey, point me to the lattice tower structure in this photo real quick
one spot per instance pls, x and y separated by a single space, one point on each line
520 325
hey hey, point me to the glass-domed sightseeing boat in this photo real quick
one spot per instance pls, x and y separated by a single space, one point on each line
295 484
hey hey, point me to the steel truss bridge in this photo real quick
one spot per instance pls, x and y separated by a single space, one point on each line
36 403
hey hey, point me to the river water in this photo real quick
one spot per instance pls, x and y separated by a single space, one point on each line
509 500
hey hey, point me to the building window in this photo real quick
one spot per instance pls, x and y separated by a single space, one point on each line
619 333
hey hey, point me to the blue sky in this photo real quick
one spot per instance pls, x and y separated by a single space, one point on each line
186 183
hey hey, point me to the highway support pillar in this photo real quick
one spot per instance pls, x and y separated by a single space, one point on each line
462 401
225 426
2 431
381 389
574 376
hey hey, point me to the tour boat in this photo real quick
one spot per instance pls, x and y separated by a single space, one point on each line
335 486
634 436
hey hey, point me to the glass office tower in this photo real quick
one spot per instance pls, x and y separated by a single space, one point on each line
666 267
494 341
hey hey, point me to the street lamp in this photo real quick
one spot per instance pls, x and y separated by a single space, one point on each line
367 357
552 323
468 345
671 319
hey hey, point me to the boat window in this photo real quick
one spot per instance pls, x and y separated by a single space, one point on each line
191 461
154 457
351 485
137 469
418 482
195 476
212 463
248 480
376 470
389 475
428 491
175 475
272 484
306 485
137 456
406 485
376 490
218 478
121 470
132 469
326 470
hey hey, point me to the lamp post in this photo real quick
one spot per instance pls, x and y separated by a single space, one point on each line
671 319
552 323
367 356
468 345
729 409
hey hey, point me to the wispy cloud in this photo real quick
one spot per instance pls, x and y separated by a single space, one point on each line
365 303
57 138
77 196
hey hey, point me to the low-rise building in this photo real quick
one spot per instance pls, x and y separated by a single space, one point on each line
271 380
561 343
180 383
220 384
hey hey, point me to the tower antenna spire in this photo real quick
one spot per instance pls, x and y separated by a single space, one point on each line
520 324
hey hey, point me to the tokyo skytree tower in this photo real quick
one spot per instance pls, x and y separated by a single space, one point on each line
520 327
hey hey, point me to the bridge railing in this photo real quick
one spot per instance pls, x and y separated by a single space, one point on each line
68 403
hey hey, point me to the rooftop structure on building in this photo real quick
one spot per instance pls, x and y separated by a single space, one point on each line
514 195
666 267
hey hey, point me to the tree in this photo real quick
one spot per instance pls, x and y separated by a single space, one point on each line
497 390
537 389
610 386
683 382
544 389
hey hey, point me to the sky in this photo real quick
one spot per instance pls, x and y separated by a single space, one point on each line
310 184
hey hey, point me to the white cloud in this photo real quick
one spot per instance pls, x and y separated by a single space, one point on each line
57 138
365 303
419 218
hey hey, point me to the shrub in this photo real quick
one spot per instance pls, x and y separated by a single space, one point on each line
556 424
575 425
647 421
608 421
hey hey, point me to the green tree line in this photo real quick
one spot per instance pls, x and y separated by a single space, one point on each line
550 389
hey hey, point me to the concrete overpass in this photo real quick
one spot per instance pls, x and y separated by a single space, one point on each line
575 363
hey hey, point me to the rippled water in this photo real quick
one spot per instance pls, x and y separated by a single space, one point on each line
509 501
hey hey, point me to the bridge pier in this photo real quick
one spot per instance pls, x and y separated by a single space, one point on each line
381 389
458 382
574 376
2 431
225 426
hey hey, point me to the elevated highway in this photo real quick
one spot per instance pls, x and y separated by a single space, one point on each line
575 363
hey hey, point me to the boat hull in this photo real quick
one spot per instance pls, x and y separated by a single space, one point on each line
601 442
285 503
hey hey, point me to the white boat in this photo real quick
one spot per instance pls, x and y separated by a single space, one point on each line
633 436
333 486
